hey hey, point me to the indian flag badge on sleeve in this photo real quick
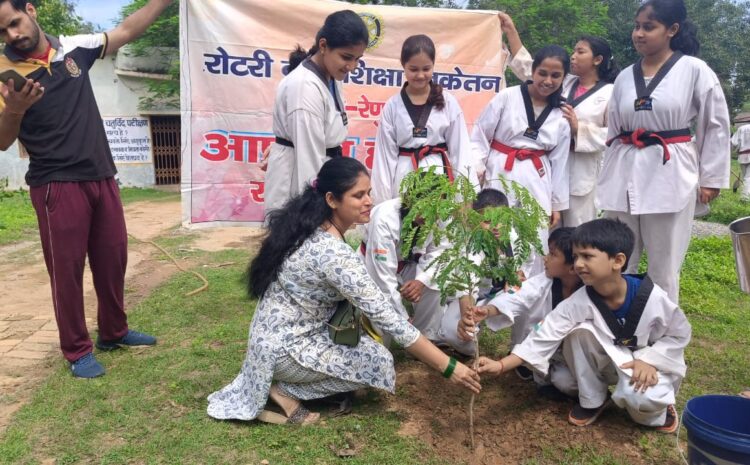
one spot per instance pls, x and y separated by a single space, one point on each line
380 254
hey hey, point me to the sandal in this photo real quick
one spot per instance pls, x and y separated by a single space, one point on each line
745 393
303 417
300 416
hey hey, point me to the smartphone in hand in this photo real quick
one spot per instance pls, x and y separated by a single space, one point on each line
18 80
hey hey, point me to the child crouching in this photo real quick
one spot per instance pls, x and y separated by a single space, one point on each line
619 330
523 309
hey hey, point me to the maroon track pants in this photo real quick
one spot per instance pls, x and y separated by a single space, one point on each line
77 219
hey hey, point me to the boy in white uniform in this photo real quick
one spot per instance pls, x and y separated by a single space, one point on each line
402 279
741 141
620 330
487 288
410 279
523 309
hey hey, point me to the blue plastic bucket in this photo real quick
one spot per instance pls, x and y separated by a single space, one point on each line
718 430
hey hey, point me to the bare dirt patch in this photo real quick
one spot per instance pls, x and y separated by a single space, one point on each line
512 423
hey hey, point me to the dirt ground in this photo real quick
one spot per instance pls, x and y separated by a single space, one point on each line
512 424
29 344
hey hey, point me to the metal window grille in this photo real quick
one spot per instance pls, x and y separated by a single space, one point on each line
165 133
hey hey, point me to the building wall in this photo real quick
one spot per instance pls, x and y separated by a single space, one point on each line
117 96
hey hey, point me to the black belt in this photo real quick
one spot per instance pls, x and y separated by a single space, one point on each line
439 146
333 152
642 138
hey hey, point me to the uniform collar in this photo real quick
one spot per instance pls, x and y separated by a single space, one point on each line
312 66
15 55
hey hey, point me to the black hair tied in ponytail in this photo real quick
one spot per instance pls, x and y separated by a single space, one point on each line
341 29
436 98
607 69
297 56
289 227
669 12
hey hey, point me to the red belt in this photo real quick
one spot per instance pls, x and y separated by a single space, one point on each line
521 154
418 154
642 138
743 151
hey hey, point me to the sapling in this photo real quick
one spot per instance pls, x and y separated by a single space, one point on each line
475 241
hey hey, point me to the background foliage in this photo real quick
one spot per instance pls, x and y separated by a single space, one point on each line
58 17
723 29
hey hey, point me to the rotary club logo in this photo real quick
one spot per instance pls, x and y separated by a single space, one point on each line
375 27
72 67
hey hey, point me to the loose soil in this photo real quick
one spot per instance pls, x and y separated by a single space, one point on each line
512 424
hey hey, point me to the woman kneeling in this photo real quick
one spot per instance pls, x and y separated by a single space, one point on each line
302 271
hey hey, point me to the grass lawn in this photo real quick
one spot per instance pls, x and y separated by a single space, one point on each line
137 194
728 206
17 217
18 220
150 408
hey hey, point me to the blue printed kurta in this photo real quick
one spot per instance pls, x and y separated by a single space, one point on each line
291 320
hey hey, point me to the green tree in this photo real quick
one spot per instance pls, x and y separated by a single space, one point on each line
476 239
619 27
164 33
542 22
58 17
724 34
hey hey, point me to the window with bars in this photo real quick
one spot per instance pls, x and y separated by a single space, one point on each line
165 134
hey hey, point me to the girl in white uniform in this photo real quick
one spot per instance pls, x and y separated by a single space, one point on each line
523 136
588 93
309 116
422 126
653 172
587 90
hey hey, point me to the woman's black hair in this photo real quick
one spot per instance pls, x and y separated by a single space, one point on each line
669 12
289 226
341 29
415 45
607 69
558 53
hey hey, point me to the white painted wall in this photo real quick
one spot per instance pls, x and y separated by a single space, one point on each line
116 95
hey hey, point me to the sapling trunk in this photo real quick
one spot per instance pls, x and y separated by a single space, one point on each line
477 237
474 366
